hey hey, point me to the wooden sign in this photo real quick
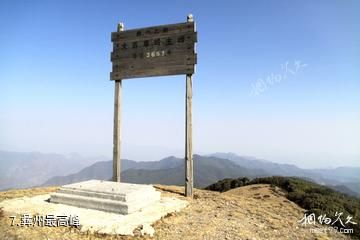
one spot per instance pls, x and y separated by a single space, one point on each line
154 51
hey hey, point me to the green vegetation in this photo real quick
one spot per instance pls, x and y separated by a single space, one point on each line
313 197
227 184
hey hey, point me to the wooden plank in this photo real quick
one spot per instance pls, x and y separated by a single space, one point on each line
117 133
184 68
168 41
153 52
175 64
186 44
189 182
133 64
154 31
153 72
178 68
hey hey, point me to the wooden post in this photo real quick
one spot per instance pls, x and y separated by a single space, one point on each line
189 176
188 142
117 125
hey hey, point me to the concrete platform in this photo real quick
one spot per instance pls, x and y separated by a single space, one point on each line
96 221
123 198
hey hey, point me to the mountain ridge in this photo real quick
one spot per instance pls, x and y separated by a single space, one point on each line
64 169
166 171
170 171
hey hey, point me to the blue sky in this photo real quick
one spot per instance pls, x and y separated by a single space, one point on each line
56 96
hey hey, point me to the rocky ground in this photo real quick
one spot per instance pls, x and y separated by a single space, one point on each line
251 212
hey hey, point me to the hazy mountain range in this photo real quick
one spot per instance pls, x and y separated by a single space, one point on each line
207 169
33 169
343 179
28 169
333 176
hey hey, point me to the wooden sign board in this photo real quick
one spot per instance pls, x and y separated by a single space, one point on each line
154 51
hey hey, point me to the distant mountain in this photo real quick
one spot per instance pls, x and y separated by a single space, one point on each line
255 163
339 174
344 179
354 186
22 170
167 171
103 170
169 162
206 171
345 189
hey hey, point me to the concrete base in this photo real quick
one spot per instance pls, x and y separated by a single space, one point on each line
95 221
123 198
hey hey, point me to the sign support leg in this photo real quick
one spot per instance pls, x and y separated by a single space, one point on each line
188 139
117 133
